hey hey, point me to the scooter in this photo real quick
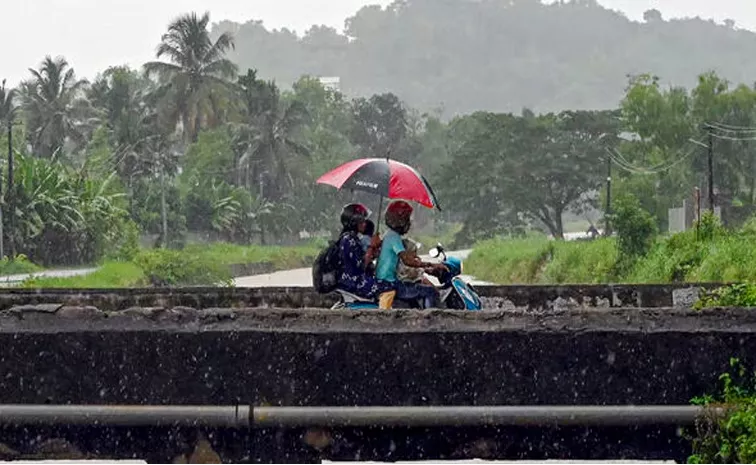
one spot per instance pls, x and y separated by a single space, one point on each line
455 293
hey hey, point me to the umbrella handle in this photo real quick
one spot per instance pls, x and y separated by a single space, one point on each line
378 224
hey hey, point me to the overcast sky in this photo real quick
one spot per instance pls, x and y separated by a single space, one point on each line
95 34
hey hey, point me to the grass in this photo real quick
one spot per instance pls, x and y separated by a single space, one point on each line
194 265
21 265
281 258
109 275
724 256
517 261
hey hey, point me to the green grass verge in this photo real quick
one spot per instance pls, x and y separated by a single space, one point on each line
281 258
109 275
196 265
21 265
725 256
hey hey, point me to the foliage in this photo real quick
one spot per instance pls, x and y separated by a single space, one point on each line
458 55
582 262
236 156
380 125
715 256
196 76
732 438
196 265
173 267
109 275
734 295
636 230
19 265
510 261
64 217
55 108
507 169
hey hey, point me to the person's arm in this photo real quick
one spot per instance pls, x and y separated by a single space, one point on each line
413 261
373 249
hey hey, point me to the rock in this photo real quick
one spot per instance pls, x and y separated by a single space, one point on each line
318 438
203 452
685 298
59 449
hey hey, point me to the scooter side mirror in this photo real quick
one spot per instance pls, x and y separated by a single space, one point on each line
434 252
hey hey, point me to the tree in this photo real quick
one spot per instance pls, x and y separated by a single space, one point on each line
508 170
636 229
379 124
131 117
198 72
7 104
652 16
55 108
268 139
458 53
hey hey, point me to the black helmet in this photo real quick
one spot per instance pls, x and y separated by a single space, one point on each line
399 216
352 215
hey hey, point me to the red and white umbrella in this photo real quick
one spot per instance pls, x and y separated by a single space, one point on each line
384 177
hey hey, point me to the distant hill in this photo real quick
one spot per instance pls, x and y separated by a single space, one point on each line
502 55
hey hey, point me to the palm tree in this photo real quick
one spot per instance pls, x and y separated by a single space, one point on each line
197 72
268 140
55 108
7 104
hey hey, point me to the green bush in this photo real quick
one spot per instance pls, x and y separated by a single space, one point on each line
179 268
636 229
672 259
709 254
19 265
734 295
731 439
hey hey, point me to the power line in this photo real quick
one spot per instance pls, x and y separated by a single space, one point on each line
662 167
730 127
731 138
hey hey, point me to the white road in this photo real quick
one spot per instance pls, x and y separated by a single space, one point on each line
15 279
302 277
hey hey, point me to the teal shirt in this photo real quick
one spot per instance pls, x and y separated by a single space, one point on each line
388 259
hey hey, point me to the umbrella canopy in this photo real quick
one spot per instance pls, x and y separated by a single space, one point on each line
387 178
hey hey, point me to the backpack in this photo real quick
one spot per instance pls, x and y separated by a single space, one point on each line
325 270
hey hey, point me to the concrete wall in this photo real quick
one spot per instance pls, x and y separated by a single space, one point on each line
532 298
62 355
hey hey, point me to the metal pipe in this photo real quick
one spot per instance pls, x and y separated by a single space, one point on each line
579 415
126 415
246 416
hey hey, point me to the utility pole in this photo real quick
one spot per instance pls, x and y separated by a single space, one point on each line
711 171
262 199
11 197
608 210
2 231
163 211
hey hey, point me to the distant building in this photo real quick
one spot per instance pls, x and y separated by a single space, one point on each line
332 83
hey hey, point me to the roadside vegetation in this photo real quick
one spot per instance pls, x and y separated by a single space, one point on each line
731 438
708 253
193 266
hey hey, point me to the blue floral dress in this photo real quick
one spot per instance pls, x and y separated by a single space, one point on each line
353 277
